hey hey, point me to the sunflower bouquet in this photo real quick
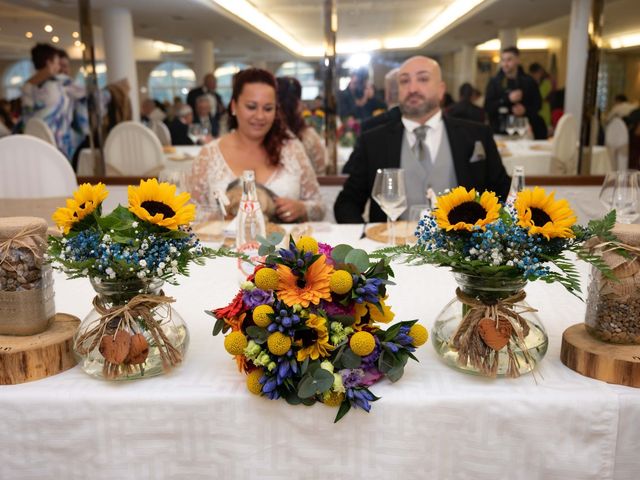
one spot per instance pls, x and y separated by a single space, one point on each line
303 326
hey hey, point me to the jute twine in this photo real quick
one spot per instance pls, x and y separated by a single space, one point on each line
128 317
29 237
472 350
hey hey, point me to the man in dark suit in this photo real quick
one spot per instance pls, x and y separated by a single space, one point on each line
436 152
208 90
179 126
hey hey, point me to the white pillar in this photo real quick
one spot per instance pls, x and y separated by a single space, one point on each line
468 61
577 58
203 61
117 28
508 37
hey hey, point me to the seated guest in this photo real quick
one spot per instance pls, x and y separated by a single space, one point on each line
258 141
179 126
436 152
465 109
204 118
289 100
208 89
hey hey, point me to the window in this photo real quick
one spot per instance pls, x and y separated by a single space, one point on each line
169 80
305 74
14 77
224 75
101 72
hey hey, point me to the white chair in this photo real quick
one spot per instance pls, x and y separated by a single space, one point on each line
162 132
38 128
616 139
564 147
132 149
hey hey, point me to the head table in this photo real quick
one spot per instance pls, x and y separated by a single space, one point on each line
201 422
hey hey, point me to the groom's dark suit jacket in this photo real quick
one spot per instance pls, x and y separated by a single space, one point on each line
380 147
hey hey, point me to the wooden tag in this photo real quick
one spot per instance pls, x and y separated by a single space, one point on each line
495 338
115 349
139 349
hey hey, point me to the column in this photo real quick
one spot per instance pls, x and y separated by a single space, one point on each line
117 28
466 69
330 13
577 58
508 37
203 58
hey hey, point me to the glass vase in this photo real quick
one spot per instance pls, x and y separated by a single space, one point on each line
488 329
131 332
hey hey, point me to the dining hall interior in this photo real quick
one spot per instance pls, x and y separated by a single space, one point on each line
315 113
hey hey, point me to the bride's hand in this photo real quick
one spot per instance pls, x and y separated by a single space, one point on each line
290 210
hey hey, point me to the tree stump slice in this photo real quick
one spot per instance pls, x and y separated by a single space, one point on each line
611 363
24 359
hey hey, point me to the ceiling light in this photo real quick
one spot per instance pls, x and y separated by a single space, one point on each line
28 34
77 43
55 39
48 28
625 41
167 47
493 45
358 60
75 35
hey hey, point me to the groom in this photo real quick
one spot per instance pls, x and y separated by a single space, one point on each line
436 152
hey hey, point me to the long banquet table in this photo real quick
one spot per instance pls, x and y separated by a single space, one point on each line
200 422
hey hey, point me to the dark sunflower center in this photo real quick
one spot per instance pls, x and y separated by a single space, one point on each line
154 207
81 206
308 337
539 217
467 212
301 282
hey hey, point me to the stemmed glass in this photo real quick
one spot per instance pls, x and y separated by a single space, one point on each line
522 126
389 192
195 132
511 125
621 192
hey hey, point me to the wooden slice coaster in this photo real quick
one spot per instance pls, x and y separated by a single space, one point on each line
404 232
23 359
592 358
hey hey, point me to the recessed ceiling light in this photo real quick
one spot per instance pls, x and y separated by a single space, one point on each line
55 39
28 34
75 35
48 28
77 43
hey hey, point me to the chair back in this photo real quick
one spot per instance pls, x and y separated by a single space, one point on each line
616 139
132 149
38 128
564 147
162 132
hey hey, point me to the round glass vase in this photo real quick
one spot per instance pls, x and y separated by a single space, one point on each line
488 329
131 332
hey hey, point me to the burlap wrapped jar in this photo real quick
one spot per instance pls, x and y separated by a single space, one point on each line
26 283
613 307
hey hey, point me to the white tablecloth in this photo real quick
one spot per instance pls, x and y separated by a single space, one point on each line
200 421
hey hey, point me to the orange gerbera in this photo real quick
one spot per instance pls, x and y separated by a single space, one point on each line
311 288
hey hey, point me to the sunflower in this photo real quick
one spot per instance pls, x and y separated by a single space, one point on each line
88 197
158 203
460 210
311 288
375 315
66 217
314 340
542 214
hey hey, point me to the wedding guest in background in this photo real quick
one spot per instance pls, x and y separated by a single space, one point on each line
208 89
290 102
435 151
540 75
259 141
391 88
205 118
6 122
447 101
465 108
621 108
179 126
358 99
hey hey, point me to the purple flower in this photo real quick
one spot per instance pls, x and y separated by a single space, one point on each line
371 359
334 308
352 377
326 249
371 376
256 297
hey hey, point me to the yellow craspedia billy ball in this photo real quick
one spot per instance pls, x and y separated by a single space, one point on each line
332 399
419 334
362 343
307 244
235 343
253 381
261 315
266 279
278 343
340 282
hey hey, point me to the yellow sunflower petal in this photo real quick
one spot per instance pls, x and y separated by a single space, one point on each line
158 203
542 215
321 346
459 196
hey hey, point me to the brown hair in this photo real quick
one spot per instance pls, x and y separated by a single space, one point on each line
289 95
277 134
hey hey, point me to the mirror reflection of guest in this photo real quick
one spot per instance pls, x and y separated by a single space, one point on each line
259 141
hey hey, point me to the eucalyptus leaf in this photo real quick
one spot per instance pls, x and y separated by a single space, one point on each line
339 252
308 401
217 327
307 387
305 366
292 398
358 258
387 361
258 334
323 380
350 359
395 373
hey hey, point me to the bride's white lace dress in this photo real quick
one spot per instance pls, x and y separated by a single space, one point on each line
293 178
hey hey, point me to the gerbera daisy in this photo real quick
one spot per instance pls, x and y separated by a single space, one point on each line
461 210
89 197
542 214
158 203
314 340
311 288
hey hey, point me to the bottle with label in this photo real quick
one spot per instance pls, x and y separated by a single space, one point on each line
517 183
250 221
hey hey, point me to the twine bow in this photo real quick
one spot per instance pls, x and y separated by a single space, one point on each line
127 318
624 267
28 237
472 348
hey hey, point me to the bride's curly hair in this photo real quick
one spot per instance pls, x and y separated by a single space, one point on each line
277 134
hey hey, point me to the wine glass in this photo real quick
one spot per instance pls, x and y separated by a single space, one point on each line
195 132
522 126
389 192
511 125
621 192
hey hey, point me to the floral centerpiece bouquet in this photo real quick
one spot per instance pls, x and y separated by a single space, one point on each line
127 255
304 326
493 250
348 132
315 119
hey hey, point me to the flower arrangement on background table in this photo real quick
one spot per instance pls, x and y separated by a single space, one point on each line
304 326
348 132
127 255
315 119
493 250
